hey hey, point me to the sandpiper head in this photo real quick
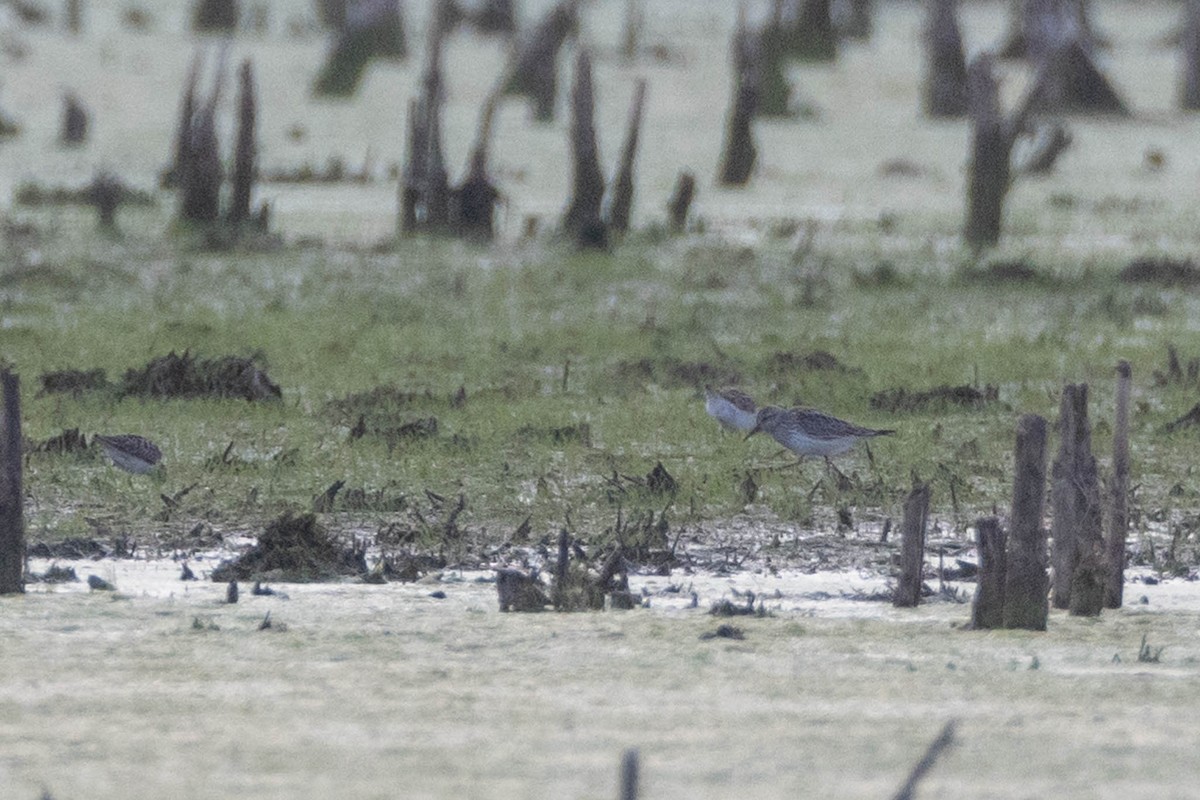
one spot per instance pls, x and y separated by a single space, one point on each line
763 419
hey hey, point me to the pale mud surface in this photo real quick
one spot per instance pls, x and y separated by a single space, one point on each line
163 690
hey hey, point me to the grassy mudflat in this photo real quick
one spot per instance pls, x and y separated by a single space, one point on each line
374 691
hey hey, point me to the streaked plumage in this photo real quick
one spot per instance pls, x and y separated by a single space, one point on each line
808 432
131 452
733 408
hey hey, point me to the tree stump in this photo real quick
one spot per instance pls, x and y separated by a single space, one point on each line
215 16
1025 581
681 201
533 71
1119 491
1189 46
425 186
809 34
1077 528
992 138
245 156
987 611
737 162
1059 41
621 204
372 29
582 220
912 547
12 496
74 121
946 66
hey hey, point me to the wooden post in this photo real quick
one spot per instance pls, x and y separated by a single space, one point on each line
1025 604
74 121
946 75
12 520
582 220
912 547
991 147
245 155
533 71
629 774
988 609
1119 491
562 571
1077 527
621 204
681 201
737 162
1189 45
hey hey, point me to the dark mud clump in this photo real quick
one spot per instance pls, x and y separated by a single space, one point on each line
557 435
1005 272
55 574
394 435
673 373
378 404
939 397
188 377
295 548
72 381
786 362
1161 270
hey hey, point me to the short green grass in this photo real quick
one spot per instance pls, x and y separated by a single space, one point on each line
544 341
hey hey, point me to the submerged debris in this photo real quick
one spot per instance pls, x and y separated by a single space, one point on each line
724 632
294 547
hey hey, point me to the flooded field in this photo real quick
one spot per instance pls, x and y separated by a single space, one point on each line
376 691
465 404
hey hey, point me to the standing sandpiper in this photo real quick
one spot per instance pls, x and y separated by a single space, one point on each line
733 408
808 432
130 452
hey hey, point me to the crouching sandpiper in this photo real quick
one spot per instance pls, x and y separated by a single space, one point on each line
808 432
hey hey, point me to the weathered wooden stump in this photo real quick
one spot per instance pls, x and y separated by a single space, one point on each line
987 610
215 16
629 774
533 71
620 206
199 169
992 138
106 193
681 201
371 29
1189 46
1077 526
737 161
946 66
12 496
425 186
1118 518
1059 41
582 220
912 547
809 34
245 157
74 121
1025 581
